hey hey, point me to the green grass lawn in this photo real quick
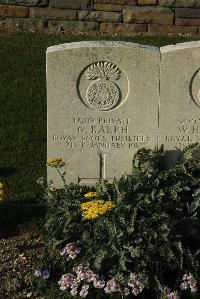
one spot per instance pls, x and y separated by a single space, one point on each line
23 105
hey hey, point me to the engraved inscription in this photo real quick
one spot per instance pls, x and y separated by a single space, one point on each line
109 87
187 132
102 134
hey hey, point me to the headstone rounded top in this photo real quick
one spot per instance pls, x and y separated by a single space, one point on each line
97 44
180 46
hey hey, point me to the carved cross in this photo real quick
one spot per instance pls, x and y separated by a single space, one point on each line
102 172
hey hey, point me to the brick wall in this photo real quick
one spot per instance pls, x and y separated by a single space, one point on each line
106 16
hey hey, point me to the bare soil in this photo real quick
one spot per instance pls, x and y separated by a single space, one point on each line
21 249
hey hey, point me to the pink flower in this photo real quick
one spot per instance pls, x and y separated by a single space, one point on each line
125 292
38 272
66 281
112 286
189 282
172 295
71 251
74 292
84 291
99 282
137 282
42 273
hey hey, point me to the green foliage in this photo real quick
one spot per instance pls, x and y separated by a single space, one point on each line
154 229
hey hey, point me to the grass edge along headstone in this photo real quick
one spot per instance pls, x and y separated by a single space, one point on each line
102 100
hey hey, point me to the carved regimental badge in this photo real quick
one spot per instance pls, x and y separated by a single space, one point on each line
195 88
102 86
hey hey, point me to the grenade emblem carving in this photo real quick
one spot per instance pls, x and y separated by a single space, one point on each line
103 93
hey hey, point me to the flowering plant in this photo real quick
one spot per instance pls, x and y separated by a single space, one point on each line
96 208
56 162
92 195
137 237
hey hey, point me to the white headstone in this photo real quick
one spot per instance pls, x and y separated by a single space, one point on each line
102 107
179 116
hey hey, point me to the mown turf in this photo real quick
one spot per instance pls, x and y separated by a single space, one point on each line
23 105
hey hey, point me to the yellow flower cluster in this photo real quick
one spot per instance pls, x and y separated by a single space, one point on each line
1 192
91 194
95 208
56 162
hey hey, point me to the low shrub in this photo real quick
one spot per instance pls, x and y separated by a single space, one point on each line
136 237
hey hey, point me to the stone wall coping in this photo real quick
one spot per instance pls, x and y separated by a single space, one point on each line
103 43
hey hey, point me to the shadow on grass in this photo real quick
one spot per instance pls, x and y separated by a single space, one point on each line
6 171
14 214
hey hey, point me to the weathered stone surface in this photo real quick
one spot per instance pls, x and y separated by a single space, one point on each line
26 2
180 95
122 28
13 11
131 2
153 28
71 4
100 16
187 13
52 13
187 22
76 26
180 3
147 2
148 14
22 23
108 7
110 1
102 107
